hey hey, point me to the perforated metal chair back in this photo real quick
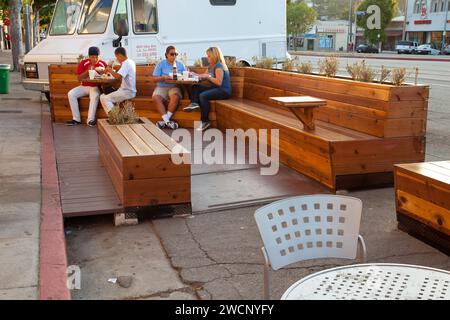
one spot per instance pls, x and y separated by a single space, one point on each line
309 227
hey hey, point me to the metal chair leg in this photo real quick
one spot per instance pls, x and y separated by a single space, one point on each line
363 250
266 275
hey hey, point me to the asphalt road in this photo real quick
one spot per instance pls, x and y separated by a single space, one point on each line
435 73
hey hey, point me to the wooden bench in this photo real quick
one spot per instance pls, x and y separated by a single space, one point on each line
362 131
137 157
422 193
62 78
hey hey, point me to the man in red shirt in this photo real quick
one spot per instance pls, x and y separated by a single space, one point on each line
86 88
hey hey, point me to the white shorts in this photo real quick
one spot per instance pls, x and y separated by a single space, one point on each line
166 92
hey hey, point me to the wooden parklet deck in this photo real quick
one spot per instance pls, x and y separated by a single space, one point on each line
86 188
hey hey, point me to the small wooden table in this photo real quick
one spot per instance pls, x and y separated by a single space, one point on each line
103 81
422 192
302 107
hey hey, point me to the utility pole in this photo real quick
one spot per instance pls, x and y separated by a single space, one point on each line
404 21
350 29
444 34
27 27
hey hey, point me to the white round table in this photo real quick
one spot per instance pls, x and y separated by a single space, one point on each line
376 281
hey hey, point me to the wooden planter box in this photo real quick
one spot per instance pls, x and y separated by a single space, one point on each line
137 157
381 110
422 192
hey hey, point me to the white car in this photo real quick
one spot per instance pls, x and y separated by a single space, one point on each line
406 47
427 48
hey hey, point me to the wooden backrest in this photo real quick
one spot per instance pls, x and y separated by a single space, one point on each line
63 78
365 107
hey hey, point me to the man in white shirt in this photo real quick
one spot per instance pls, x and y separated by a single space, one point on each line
127 74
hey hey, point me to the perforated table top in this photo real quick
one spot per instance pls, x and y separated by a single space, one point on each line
378 281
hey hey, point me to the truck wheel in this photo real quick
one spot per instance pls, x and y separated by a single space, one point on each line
47 96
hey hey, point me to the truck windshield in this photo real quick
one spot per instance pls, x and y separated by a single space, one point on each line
66 17
95 16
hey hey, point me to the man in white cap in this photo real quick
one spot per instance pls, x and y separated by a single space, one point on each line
86 88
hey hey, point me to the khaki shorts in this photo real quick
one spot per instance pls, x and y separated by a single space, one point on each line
166 92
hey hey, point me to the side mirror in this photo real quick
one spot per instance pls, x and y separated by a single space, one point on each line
122 30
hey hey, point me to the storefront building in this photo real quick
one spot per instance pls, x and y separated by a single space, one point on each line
426 21
324 36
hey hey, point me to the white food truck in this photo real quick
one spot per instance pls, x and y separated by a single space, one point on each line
241 28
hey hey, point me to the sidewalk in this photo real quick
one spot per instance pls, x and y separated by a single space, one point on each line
20 190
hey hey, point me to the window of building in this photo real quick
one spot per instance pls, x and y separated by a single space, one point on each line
417 6
434 6
223 2
145 16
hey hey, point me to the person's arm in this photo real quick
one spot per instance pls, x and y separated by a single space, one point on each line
82 75
115 74
158 76
218 79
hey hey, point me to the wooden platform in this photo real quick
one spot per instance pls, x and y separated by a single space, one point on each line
84 184
86 188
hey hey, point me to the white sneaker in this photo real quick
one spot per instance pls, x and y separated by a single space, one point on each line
161 124
203 126
191 107
172 125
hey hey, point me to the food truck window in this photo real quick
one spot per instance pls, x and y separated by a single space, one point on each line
145 16
65 17
95 16
121 14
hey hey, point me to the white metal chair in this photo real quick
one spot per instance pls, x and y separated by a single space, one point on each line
309 227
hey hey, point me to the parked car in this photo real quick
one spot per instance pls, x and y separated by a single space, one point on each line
447 49
427 48
406 46
366 48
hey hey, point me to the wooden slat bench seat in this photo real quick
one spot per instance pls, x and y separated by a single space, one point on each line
137 157
63 78
422 192
328 153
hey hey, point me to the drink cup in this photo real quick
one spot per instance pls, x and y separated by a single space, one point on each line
92 74
186 75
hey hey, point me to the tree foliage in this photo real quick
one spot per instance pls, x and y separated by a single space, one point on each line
332 9
300 17
388 11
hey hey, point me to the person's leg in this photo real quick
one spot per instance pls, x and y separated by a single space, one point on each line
118 96
73 96
196 91
206 96
175 96
159 104
94 97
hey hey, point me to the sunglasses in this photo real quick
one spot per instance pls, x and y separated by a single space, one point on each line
173 54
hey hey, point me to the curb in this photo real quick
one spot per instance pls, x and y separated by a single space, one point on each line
366 57
52 244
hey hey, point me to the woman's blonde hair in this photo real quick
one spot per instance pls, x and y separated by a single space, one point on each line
217 57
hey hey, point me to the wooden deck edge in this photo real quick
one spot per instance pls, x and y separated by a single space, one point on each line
365 181
52 244
423 232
